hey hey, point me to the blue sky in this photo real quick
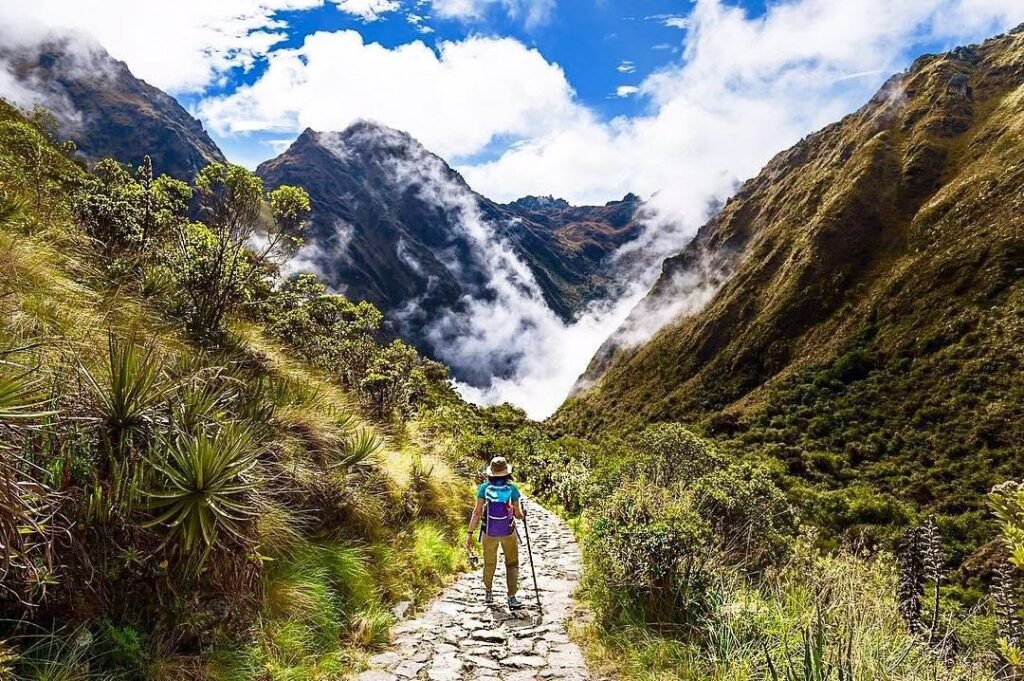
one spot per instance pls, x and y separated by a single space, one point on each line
601 46
586 99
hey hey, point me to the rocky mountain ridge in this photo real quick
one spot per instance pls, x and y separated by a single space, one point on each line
395 225
104 108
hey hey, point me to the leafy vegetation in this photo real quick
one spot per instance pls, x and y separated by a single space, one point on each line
194 481
697 563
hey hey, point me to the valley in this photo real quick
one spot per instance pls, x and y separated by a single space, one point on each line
243 412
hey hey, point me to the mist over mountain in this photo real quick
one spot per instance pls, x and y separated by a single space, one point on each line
864 295
101 105
478 284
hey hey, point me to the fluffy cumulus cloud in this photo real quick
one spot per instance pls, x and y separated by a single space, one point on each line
720 112
456 100
179 46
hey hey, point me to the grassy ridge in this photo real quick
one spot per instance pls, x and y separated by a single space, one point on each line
870 337
175 505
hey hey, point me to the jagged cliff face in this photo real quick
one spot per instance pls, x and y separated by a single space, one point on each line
395 225
106 110
896 234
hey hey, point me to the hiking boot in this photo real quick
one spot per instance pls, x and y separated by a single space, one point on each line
488 597
514 603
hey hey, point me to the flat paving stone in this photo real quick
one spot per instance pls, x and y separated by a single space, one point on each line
375 675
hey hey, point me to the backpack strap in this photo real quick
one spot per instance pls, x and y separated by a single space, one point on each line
483 521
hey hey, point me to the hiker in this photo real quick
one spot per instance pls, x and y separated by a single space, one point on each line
497 503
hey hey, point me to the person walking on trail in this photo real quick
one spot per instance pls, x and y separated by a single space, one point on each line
497 504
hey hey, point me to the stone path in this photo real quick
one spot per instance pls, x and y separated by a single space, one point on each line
459 638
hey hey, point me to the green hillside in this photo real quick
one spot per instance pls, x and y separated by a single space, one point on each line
201 475
871 334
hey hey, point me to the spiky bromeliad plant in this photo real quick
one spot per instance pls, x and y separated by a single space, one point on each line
131 392
206 489
26 505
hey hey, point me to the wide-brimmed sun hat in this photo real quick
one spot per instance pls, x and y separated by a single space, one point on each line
498 468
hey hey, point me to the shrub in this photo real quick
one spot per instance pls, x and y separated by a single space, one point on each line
124 214
668 453
214 262
649 547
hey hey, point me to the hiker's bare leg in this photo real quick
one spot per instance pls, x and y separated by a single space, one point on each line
490 550
510 549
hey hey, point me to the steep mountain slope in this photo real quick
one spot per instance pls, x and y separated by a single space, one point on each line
104 108
867 320
395 225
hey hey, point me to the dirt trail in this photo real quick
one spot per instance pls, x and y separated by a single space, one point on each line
459 638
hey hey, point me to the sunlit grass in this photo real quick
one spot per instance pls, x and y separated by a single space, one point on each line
852 596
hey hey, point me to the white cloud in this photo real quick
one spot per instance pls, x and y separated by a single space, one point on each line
626 67
419 21
455 101
531 12
672 20
179 46
720 113
367 10
626 90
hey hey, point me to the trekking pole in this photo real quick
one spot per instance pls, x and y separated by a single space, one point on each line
533 568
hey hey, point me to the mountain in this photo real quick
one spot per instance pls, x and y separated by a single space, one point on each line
857 309
105 109
395 225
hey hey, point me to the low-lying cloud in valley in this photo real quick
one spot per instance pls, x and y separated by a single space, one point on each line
737 90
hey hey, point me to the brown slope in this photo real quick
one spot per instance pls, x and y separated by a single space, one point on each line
872 313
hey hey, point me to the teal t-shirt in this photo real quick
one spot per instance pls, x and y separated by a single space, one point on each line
483 488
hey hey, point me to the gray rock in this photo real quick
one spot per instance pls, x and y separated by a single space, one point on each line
375 675
490 635
445 668
482 662
520 661
388 659
401 609
408 669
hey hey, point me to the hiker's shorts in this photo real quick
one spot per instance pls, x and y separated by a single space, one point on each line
510 548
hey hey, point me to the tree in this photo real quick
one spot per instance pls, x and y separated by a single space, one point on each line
125 214
388 384
218 262
328 329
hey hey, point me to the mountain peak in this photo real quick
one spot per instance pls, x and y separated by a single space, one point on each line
366 140
103 107
539 203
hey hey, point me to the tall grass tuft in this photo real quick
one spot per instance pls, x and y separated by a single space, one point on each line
360 448
815 661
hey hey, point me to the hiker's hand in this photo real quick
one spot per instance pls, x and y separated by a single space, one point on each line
469 543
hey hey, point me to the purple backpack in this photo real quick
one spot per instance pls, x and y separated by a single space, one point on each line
498 507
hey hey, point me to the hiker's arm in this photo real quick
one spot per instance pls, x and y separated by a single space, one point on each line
478 512
517 510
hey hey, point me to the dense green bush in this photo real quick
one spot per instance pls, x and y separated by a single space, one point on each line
649 549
